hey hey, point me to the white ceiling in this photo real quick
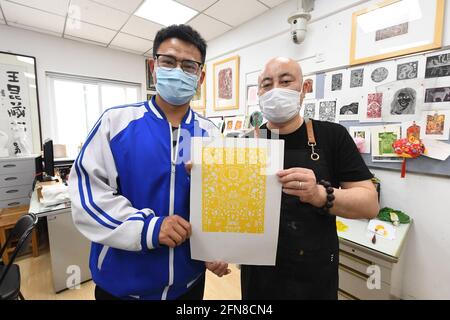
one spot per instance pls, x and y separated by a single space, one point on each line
112 23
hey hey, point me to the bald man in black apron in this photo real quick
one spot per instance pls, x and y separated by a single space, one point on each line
324 176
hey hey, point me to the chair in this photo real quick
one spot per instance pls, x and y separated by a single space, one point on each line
10 273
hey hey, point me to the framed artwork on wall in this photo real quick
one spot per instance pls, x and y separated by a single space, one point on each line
395 28
226 84
198 102
20 122
150 83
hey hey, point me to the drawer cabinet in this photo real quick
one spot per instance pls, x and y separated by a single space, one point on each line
354 274
17 165
16 180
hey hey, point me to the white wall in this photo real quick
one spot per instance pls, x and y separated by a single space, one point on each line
425 199
71 57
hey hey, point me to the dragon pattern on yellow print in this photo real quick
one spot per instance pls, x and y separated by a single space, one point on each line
234 195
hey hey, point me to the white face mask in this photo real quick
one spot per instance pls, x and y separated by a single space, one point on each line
280 105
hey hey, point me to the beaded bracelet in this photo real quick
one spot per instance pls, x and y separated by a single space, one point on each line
330 196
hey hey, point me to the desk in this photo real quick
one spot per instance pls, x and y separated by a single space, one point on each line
358 253
69 249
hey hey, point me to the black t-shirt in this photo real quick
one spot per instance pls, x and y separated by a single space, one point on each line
343 158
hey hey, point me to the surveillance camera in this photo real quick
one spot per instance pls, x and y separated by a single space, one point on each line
298 22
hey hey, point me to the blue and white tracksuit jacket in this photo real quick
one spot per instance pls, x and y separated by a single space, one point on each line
126 179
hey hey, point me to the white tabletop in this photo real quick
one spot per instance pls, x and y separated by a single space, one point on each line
37 208
358 233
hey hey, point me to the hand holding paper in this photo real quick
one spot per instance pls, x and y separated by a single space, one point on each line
174 231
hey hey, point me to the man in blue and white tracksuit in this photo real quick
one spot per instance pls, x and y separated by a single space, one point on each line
130 189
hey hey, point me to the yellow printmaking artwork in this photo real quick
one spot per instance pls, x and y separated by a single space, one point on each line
234 194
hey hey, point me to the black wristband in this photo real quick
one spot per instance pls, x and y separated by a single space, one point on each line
325 210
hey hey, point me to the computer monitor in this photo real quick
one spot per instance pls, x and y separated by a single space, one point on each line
49 165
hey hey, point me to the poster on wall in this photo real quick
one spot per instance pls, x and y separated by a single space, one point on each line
16 125
438 65
436 124
364 135
349 108
235 200
382 139
380 73
309 109
410 68
327 110
436 94
401 100
371 109
309 86
336 83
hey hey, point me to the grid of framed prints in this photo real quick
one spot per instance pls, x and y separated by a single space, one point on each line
234 124
388 97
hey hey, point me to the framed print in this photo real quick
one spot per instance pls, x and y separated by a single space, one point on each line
437 94
437 125
309 86
229 123
395 28
20 124
150 83
226 84
382 139
438 65
327 110
309 109
401 100
349 108
198 102
363 133
218 122
252 95
371 108
240 123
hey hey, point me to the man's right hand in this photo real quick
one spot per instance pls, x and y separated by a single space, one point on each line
174 231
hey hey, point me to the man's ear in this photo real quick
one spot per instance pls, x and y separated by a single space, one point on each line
302 93
202 78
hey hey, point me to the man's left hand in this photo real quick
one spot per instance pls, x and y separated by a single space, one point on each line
301 182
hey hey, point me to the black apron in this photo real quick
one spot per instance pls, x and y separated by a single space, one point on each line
308 248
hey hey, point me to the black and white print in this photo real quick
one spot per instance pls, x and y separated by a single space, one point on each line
379 74
309 110
438 66
349 109
441 94
357 78
392 31
407 70
336 82
404 102
327 111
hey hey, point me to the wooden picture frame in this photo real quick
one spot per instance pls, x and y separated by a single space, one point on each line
198 102
150 82
226 84
394 28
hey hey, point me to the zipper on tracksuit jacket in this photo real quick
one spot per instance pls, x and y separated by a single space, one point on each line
173 160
